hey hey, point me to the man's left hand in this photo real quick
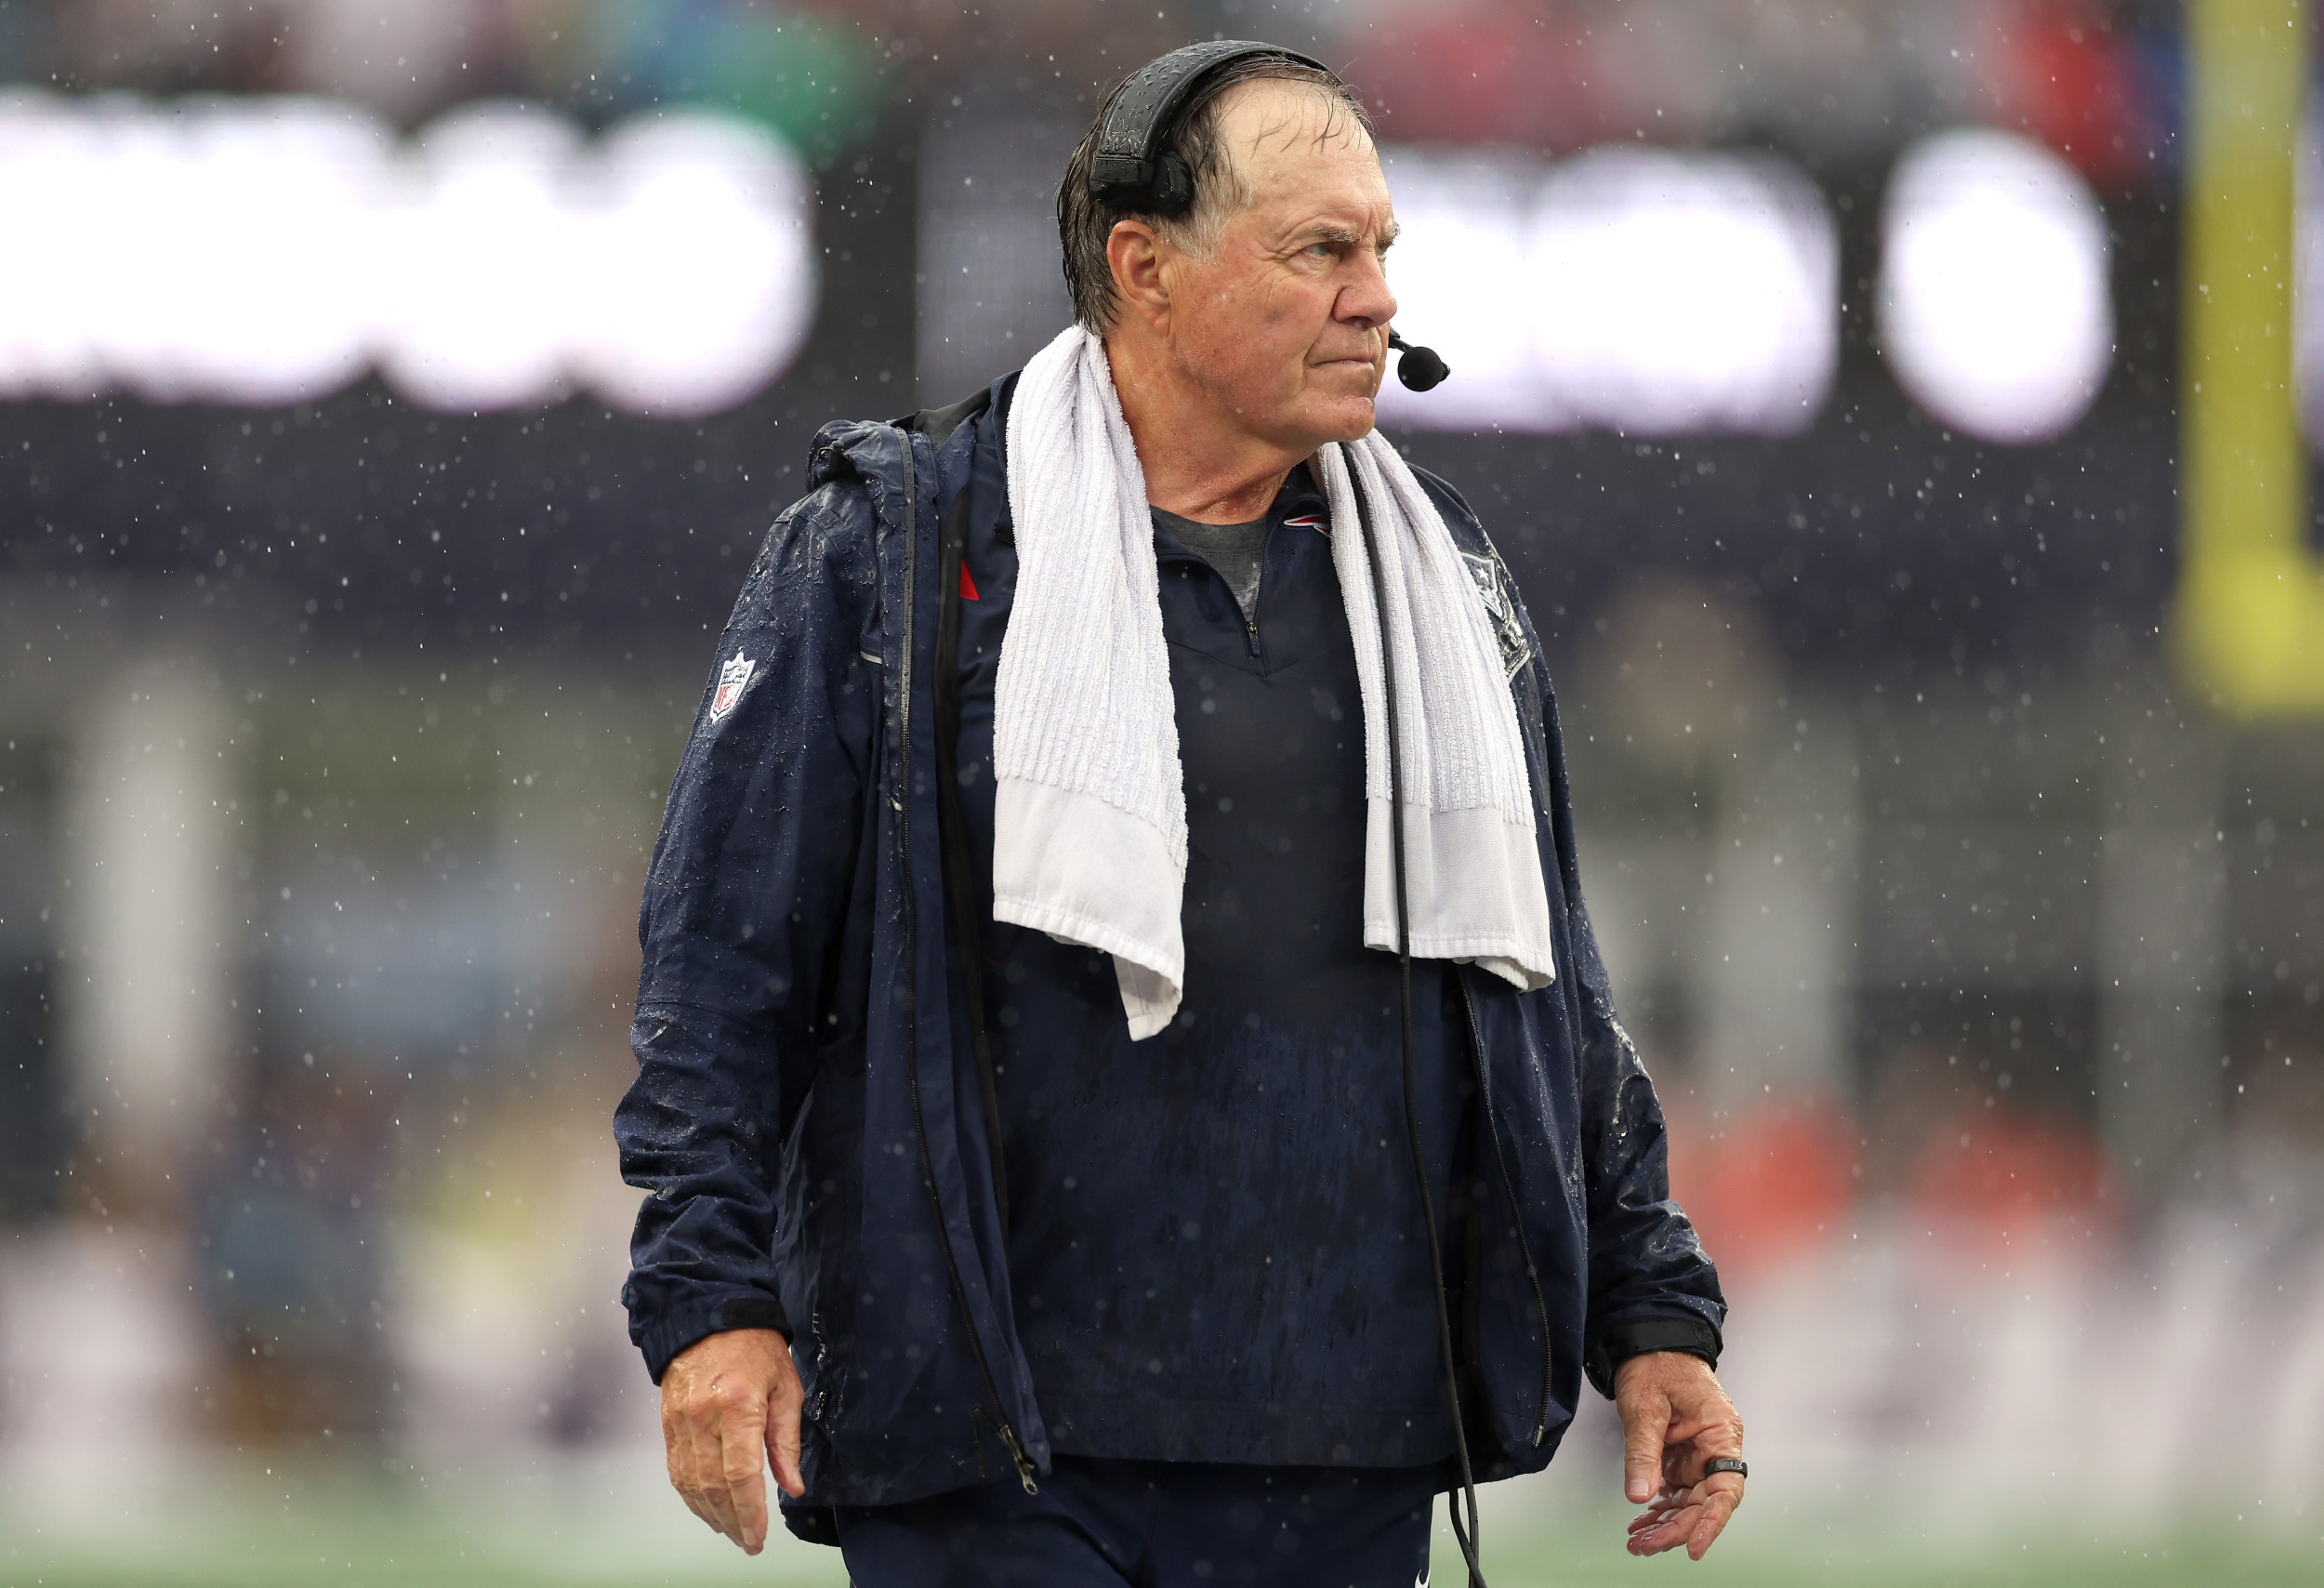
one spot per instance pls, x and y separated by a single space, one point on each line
1675 1418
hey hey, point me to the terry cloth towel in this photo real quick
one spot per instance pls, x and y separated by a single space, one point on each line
1089 841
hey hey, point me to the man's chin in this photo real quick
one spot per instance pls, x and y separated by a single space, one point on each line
1346 419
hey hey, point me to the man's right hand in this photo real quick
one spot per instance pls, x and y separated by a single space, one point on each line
730 1404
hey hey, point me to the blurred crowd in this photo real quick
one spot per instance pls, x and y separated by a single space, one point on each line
1839 82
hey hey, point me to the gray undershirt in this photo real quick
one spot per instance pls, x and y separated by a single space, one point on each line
1237 551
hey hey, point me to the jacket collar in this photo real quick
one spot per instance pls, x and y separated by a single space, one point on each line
1298 499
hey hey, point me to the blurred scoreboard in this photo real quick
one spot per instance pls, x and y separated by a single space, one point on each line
265 251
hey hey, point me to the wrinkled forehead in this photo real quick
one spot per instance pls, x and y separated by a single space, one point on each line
1287 137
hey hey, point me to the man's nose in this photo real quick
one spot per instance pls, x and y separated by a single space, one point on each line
1368 298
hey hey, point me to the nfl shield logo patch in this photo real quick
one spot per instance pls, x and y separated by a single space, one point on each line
734 679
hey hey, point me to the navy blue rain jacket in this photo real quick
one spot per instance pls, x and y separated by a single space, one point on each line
808 1094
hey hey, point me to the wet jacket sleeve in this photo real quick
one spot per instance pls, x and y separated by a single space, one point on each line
1652 1288
745 900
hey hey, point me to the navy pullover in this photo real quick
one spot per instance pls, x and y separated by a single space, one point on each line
1184 1209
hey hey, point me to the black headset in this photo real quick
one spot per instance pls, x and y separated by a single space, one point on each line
1139 169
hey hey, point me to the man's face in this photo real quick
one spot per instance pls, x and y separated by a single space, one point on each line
1285 327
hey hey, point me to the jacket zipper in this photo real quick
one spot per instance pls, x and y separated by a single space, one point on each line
1259 597
1250 622
1026 1473
1516 1209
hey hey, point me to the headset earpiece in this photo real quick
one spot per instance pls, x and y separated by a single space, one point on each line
1135 168
1173 187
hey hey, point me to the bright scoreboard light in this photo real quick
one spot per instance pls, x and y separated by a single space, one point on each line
1658 293
1633 289
268 251
1995 309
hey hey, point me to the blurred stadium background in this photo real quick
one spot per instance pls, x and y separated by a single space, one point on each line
1899 414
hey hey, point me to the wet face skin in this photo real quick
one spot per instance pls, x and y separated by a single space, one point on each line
1234 367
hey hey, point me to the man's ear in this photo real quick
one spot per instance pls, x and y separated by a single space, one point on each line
1134 253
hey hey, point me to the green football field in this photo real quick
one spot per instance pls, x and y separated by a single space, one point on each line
293 1525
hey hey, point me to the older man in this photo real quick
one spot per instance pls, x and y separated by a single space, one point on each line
1127 1090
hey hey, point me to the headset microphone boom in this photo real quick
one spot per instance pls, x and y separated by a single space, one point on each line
1420 368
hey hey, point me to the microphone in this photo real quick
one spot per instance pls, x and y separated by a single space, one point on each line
1420 368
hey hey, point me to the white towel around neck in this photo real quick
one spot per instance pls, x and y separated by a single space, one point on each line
1089 813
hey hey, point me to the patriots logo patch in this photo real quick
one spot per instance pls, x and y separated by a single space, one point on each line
1309 520
1486 575
734 679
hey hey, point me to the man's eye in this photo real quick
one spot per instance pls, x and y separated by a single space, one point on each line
1322 250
